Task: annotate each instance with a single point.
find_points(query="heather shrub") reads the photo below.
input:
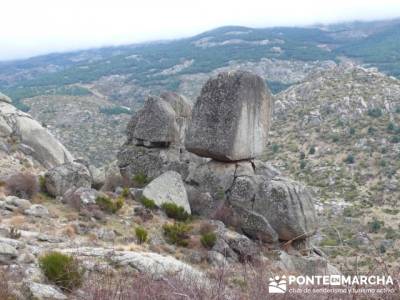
(208, 239)
(140, 179)
(109, 205)
(177, 233)
(62, 270)
(148, 203)
(175, 211)
(141, 235)
(22, 185)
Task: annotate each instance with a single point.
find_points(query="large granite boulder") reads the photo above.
(231, 118)
(168, 188)
(155, 138)
(155, 123)
(69, 176)
(19, 132)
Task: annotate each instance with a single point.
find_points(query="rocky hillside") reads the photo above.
(186, 211)
(90, 126)
(339, 132)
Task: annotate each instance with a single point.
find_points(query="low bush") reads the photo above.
(141, 235)
(375, 112)
(375, 225)
(175, 211)
(148, 203)
(22, 185)
(208, 239)
(177, 233)
(312, 150)
(62, 270)
(140, 179)
(349, 159)
(42, 184)
(109, 205)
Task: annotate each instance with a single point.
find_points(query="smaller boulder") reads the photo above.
(60, 179)
(168, 188)
(37, 210)
(41, 291)
(7, 254)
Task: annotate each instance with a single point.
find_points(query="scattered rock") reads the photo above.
(66, 177)
(37, 210)
(15, 203)
(39, 291)
(7, 253)
(168, 188)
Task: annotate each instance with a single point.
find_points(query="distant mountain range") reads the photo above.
(125, 74)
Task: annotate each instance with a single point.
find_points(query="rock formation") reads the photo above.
(20, 133)
(231, 118)
(155, 137)
(230, 122)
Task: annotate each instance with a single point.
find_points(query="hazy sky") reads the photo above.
(31, 27)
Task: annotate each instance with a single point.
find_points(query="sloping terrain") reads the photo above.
(339, 132)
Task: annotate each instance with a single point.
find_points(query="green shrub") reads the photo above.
(177, 233)
(391, 127)
(175, 211)
(62, 270)
(371, 130)
(328, 242)
(109, 205)
(125, 192)
(375, 112)
(208, 239)
(391, 211)
(312, 150)
(117, 110)
(375, 225)
(42, 183)
(395, 139)
(140, 179)
(275, 148)
(302, 155)
(141, 235)
(148, 203)
(349, 159)
(352, 131)
(303, 164)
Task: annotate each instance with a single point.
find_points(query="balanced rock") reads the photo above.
(168, 188)
(231, 118)
(155, 123)
(69, 176)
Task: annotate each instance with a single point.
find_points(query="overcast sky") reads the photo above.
(32, 27)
